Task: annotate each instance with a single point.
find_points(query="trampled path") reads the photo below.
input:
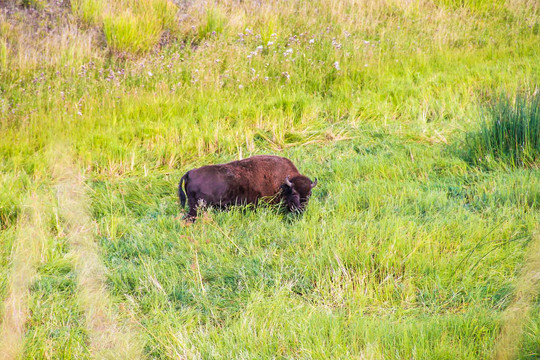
(517, 313)
(110, 337)
(27, 249)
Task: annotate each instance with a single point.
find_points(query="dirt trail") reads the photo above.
(27, 249)
(517, 313)
(110, 337)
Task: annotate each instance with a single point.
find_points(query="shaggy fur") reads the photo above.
(245, 182)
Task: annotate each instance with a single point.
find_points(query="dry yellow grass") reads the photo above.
(516, 315)
(26, 255)
(31, 39)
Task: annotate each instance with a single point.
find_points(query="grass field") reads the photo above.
(409, 249)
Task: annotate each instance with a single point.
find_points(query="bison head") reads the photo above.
(296, 192)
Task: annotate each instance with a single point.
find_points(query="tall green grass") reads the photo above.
(510, 132)
(89, 11)
(126, 31)
(213, 24)
(133, 26)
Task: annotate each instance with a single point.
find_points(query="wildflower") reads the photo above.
(365, 65)
(79, 113)
(240, 86)
(336, 66)
(259, 48)
(150, 73)
(270, 43)
(266, 78)
(288, 52)
(366, 42)
(312, 41)
(286, 75)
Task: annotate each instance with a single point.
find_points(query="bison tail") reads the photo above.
(181, 188)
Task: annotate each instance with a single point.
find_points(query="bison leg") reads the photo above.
(192, 214)
(194, 207)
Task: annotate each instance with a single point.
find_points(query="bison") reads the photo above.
(244, 182)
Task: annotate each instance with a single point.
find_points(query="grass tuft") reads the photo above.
(89, 11)
(510, 132)
(213, 23)
(136, 27)
(129, 32)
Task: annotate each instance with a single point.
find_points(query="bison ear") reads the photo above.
(288, 182)
(314, 183)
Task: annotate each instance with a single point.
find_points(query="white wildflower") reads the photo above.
(336, 66)
(312, 41)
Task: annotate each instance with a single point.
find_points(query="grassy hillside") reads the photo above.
(408, 248)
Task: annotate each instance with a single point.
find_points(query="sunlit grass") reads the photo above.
(90, 11)
(136, 26)
(406, 250)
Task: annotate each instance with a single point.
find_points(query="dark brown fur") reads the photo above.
(245, 182)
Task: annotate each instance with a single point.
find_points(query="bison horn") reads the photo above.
(288, 182)
(314, 183)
